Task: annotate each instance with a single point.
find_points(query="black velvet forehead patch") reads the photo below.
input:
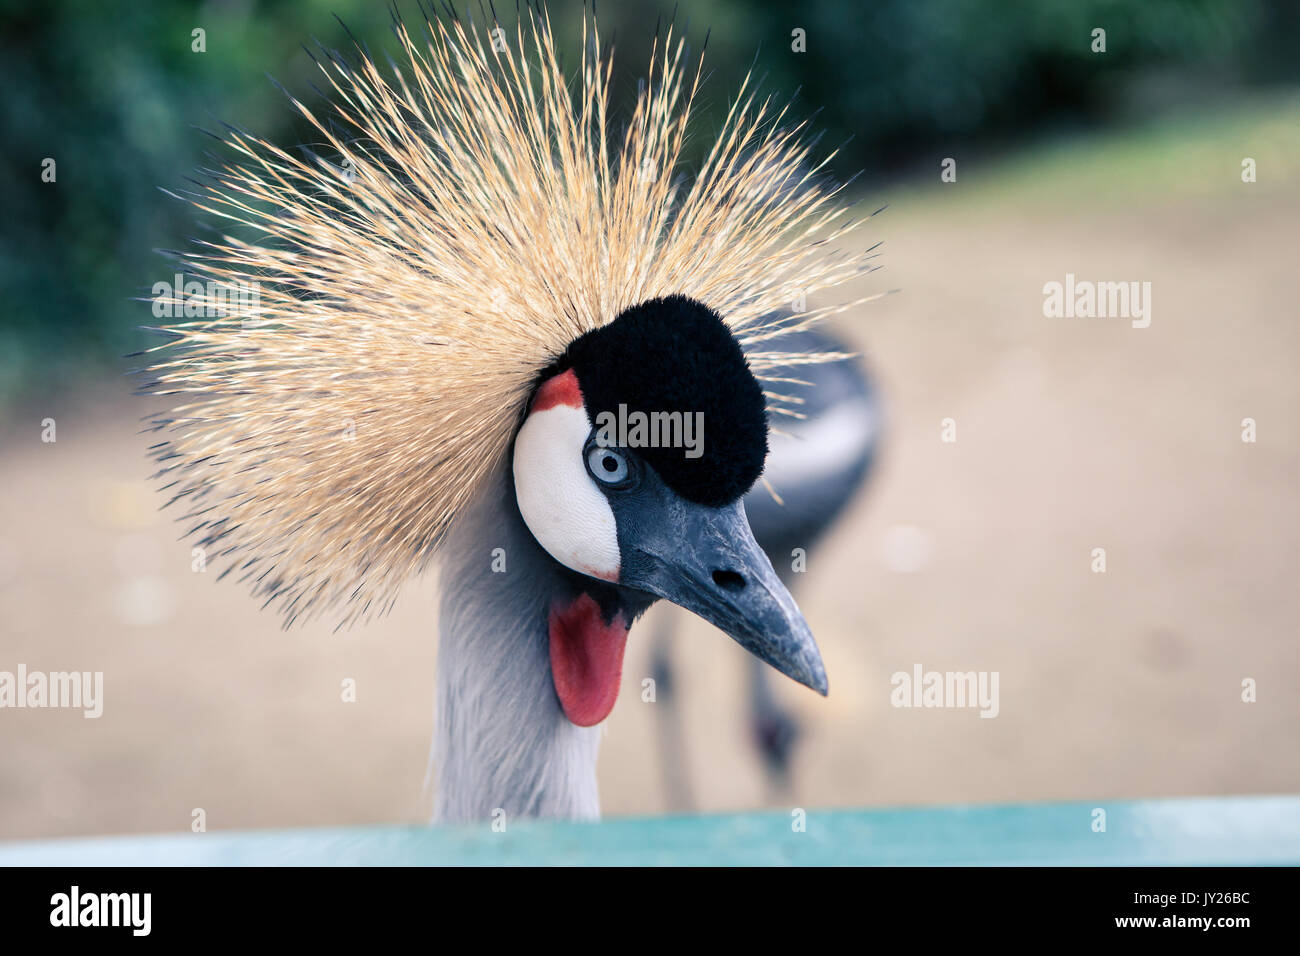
(677, 355)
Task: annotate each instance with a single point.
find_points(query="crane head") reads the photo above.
(629, 468)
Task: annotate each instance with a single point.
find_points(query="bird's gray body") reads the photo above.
(816, 468)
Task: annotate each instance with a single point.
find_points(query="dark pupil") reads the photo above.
(610, 463)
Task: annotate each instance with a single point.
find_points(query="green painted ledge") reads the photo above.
(1206, 831)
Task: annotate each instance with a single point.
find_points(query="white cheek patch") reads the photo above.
(560, 503)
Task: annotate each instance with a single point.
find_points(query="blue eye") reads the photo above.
(607, 465)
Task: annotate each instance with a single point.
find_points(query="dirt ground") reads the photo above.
(1072, 434)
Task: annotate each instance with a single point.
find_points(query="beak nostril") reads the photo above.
(728, 580)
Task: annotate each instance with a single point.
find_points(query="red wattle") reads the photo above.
(586, 659)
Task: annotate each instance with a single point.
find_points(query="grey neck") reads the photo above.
(501, 741)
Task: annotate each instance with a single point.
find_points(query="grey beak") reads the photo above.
(707, 561)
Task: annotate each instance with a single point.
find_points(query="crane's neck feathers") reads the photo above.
(513, 732)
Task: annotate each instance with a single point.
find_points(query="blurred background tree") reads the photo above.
(112, 93)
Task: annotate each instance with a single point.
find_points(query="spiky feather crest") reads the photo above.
(477, 220)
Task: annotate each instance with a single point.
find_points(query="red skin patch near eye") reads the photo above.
(586, 659)
(560, 389)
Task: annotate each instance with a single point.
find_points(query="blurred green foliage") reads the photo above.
(111, 92)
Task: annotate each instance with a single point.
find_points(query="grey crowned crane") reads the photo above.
(451, 292)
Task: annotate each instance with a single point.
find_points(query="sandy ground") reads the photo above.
(1072, 434)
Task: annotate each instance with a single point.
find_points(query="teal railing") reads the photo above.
(1202, 831)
